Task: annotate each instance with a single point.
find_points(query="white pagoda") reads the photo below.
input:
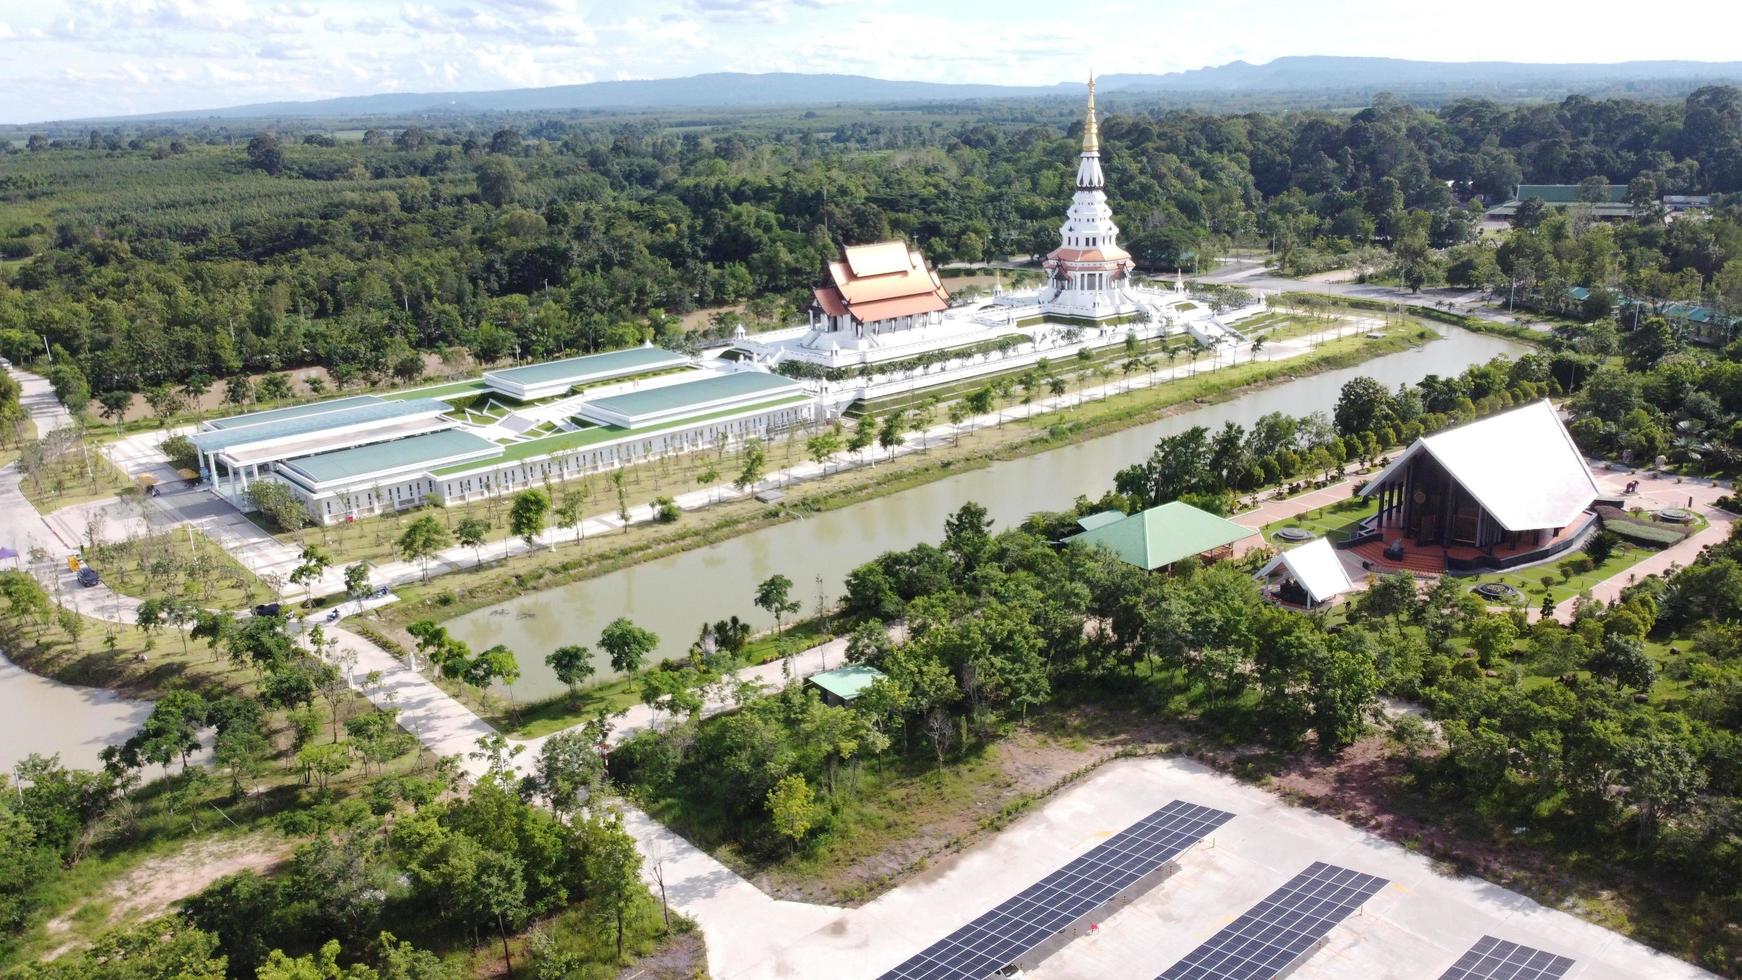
(1087, 274)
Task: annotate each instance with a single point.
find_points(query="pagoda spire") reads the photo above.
(1091, 129)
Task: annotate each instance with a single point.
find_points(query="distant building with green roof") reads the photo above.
(1158, 537)
(843, 686)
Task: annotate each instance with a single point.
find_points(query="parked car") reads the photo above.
(88, 576)
(266, 609)
(380, 593)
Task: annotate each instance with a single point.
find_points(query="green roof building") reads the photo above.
(842, 686)
(1158, 537)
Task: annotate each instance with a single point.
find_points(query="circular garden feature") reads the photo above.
(1293, 534)
(1676, 515)
(1497, 592)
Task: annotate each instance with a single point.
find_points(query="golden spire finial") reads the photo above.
(1091, 129)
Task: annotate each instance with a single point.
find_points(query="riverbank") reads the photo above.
(468, 590)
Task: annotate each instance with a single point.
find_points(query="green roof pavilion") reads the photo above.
(1158, 537)
(843, 685)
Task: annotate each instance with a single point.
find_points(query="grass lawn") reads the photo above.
(80, 475)
(24, 430)
(182, 563)
(1565, 581)
(1335, 521)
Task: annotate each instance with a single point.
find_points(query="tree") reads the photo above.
(822, 446)
(498, 180)
(265, 154)
(1364, 405)
(1662, 775)
(238, 390)
(755, 461)
(793, 808)
(889, 435)
(612, 872)
(526, 516)
(422, 540)
(967, 536)
(113, 406)
(311, 564)
(1601, 546)
(571, 512)
(864, 434)
(472, 532)
(572, 665)
(774, 597)
(357, 580)
(1622, 659)
(627, 645)
(1492, 636)
(172, 731)
(570, 767)
(278, 504)
(495, 664)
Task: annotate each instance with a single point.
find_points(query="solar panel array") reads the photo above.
(1276, 933)
(1037, 913)
(1497, 959)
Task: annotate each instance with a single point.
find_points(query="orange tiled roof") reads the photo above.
(1108, 254)
(881, 281)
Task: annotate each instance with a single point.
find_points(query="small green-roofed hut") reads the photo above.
(1158, 537)
(843, 685)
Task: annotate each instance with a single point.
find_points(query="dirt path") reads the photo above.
(152, 887)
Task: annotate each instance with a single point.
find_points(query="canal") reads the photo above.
(674, 596)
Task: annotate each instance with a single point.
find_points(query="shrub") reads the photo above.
(1649, 535)
(181, 452)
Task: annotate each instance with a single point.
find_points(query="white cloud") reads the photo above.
(741, 11)
(520, 66)
(197, 53)
(283, 51)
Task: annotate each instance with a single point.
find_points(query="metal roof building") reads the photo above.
(536, 381)
(1521, 468)
(1158, 537)
(844, 684)
(655, 405)
(333, 471)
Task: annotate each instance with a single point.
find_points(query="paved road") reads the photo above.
(1250, 274)
(1656, 493)
(740, 921)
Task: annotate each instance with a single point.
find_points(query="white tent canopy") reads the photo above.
(1315, 567)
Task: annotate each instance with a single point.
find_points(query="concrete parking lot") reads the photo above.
(1415, 928)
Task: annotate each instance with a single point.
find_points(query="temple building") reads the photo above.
(875, 290)
(1503, 491)
(1088, 274)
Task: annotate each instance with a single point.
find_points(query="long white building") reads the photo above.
(516, 428)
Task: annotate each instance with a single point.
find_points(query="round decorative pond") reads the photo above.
(1294, 534)
(1676, 515)
(1497, 592)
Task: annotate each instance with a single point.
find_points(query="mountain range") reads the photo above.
(1304, 75)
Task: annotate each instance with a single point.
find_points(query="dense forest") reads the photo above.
(164, 261)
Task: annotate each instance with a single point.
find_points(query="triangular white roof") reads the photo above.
(1521, 466)
(1316, 567)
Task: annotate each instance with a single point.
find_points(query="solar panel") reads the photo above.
(1041, 911)
(1270, 938)
(1497, 959)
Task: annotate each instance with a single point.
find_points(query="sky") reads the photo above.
(65, 59)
